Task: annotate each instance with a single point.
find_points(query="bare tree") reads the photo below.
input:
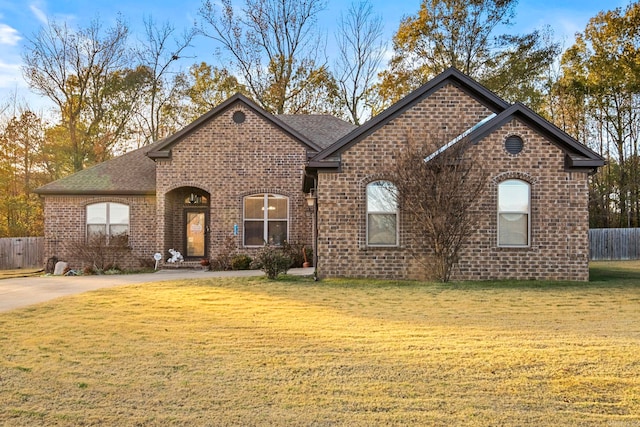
(360, 54)
(77, 70)
(275, 46)
(437, 186)
(159, 52)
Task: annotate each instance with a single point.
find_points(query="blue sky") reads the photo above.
(20, 19)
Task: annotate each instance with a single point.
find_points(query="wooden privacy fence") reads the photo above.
(614, 243)
(21, 252)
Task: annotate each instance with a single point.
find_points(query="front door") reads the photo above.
(195, 233)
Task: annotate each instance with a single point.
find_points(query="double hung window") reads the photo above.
(514, 213)
(266, 219)
(382, 214)
(109, 221)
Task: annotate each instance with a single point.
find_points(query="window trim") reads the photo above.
(527, 212)
(107, 224)
(265, 219)
(396, 212)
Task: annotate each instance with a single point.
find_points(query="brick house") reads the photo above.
(239, 173)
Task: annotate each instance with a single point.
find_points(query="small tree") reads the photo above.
(436, 190)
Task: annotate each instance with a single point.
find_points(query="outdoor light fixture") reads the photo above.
(311, 199)
(195, 199)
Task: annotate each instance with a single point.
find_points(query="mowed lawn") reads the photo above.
(339, 352)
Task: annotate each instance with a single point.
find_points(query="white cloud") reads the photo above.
(10, 75)
(37, 11)
(8, 35)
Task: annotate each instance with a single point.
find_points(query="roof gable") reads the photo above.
(577, 155)
(449, 76)
(164, 148)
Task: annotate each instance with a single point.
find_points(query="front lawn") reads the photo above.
(341, 352)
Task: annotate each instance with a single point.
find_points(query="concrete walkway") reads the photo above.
(24, 291)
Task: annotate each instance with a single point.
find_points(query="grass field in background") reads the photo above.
(336, 352)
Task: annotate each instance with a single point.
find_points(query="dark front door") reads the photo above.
(196, 233)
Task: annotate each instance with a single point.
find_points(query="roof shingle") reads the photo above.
(322, 129)
(130, 173)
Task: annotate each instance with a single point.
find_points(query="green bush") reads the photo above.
(272, 261)
(241, 262)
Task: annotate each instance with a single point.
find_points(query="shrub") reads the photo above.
(241, 262)
(295, 252)
(223, 260)
(272, 261)
(98, 253)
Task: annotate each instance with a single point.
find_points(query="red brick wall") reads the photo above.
(559, 215)
(229, 161)
(65, 224)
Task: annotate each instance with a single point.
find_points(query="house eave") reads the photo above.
(334, 164)
(164, 154)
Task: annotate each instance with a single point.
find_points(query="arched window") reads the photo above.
(266, 219)
(109, 221)
(514, 213)
(382, 214)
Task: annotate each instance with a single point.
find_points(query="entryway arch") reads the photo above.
(187, 221)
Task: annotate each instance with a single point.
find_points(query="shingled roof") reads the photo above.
(322, 129)
(132, 173)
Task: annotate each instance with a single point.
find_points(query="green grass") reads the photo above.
(337, 352)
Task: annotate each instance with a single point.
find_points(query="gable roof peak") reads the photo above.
(164, 148)
(450, 75)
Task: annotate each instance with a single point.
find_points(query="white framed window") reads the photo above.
(382, 214)
(266, 219)
(109, 221)
(514, 213)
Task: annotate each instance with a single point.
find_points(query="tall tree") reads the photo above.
(159, 52)
(601, 75)
(76, 70)
(464, 34)
(23, 166)
(360, 53)
(275, 46)
(206, 87)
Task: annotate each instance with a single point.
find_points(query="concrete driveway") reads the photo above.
(24, 291)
